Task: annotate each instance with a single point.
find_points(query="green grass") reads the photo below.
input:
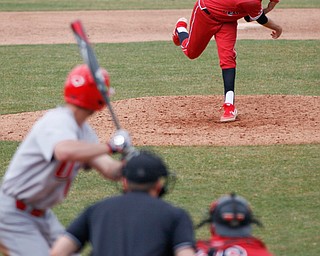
(34, 75)
(58, 5)
(284, 193)
(281, 183)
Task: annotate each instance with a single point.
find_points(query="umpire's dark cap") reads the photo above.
(144, 167)
(232, 217)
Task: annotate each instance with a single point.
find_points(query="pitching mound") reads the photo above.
(183, 120)
(194, 120)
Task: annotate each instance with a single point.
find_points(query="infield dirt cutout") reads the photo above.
(174, 120)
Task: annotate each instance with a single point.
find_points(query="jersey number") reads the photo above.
(64, 171)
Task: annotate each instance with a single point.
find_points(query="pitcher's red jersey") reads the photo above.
(232, 10)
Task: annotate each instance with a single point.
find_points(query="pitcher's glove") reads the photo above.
(120, 141)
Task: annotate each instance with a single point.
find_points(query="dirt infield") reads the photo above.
(135, 26)
(191, 120)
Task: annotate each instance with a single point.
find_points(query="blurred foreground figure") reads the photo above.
(41, 172)
(136, 223)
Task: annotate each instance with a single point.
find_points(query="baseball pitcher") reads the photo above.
(218, 19)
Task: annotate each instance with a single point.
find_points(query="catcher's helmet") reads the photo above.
(80, 88)
(232, 216)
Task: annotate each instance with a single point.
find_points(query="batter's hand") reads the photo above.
(120, 141)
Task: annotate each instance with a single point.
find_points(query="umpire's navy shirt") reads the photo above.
(133, 224)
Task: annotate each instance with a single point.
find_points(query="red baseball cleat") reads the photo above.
(230, 113)
(182, 22)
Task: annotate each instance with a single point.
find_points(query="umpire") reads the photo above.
(136, 223)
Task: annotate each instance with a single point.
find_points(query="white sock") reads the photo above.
(229, 97)
(182, 29)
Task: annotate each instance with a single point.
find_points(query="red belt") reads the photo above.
(34, 212)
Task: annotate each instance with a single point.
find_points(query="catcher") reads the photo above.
(231, 220)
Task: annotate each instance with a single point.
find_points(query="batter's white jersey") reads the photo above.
(33, 175)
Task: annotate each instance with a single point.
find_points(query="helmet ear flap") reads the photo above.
(168, 184)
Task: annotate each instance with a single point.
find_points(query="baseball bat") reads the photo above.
(90, 59)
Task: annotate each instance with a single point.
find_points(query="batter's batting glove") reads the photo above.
(120, 141)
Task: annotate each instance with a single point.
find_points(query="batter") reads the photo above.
(47, 161)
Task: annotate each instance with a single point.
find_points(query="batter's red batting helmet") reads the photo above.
(80, 88)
